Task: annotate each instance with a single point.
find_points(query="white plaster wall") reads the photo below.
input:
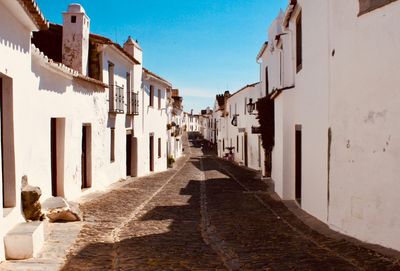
(54, 95)
(121, 122)
(364, 110)
(255, 150)
(305, 105)
(154, 121)
(15, 63)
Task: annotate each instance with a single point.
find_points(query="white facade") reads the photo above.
(176, 124)
(16, 78)
(193, 123)
(335, 114)
(206, 122)
(67, 132)
(154, 121)
(235, 129)
(363, 113)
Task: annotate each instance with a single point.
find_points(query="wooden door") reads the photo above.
(298, 165)
(129, 153)
(246, 155)
(57, 142)
(151, 145)
(86, 156)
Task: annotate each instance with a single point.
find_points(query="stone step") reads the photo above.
(24, 241)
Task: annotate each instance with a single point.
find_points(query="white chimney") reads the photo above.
(75, 40)
(132, 47)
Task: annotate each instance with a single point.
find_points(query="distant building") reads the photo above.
(238, 129)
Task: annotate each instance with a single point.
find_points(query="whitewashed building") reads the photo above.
(221, 119)
(239, 128)
(153, 133)
(331, 67)
(78, 110)
(100, 60)
(17, 21)
(193, 123)
(206, 124)
(176, 124)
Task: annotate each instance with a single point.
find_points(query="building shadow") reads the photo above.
(164, 238)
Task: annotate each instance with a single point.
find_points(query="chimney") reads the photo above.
(132, 47)
(191, 112)
(75, 40)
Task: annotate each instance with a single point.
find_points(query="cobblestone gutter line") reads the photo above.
(304, 236)
(134, 215)
(209, 232)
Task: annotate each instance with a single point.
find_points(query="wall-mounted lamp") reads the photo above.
(251, 107)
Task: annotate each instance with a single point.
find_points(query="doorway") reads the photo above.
(129, 153)
(246, 155)
(151, 145)
(57, 141)
(9, 196)
(86, 156)
(298, 161)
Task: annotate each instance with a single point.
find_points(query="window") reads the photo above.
(111, 85)
(132, 98)
(73, 19)
(369, 5)
(151, 95)
(237, 144)
(159, 147)
(266, 81)
(116, 93)
(112, 145)
(299, 41)
(128, 93)
(159, 98)
(245, 105)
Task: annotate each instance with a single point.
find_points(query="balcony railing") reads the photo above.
(116, 99)
(133, 103)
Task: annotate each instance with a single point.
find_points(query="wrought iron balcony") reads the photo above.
(116, 99)
(133, 103)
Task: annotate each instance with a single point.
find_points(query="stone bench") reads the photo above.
(24, 240)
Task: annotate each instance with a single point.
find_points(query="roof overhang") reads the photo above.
(262, 50)
(289, 11)
(152, 76)
(28, 12)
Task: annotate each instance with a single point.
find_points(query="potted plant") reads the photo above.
(170, 161)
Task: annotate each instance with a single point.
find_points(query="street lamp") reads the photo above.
(251, 107)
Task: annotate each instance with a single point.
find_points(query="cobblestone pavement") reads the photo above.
(206, 214)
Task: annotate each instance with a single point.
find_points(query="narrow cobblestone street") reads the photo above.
(206, 214)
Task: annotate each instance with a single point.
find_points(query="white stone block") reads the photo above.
(24, 241)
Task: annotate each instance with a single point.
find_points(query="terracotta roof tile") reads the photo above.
(32, 9)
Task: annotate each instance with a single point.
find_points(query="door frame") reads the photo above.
(57, 152)
(86, 156)
(129, 152)
(298, 164)
(151, 151)
(246, 149)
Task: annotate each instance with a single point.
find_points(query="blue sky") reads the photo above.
(203, 47)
